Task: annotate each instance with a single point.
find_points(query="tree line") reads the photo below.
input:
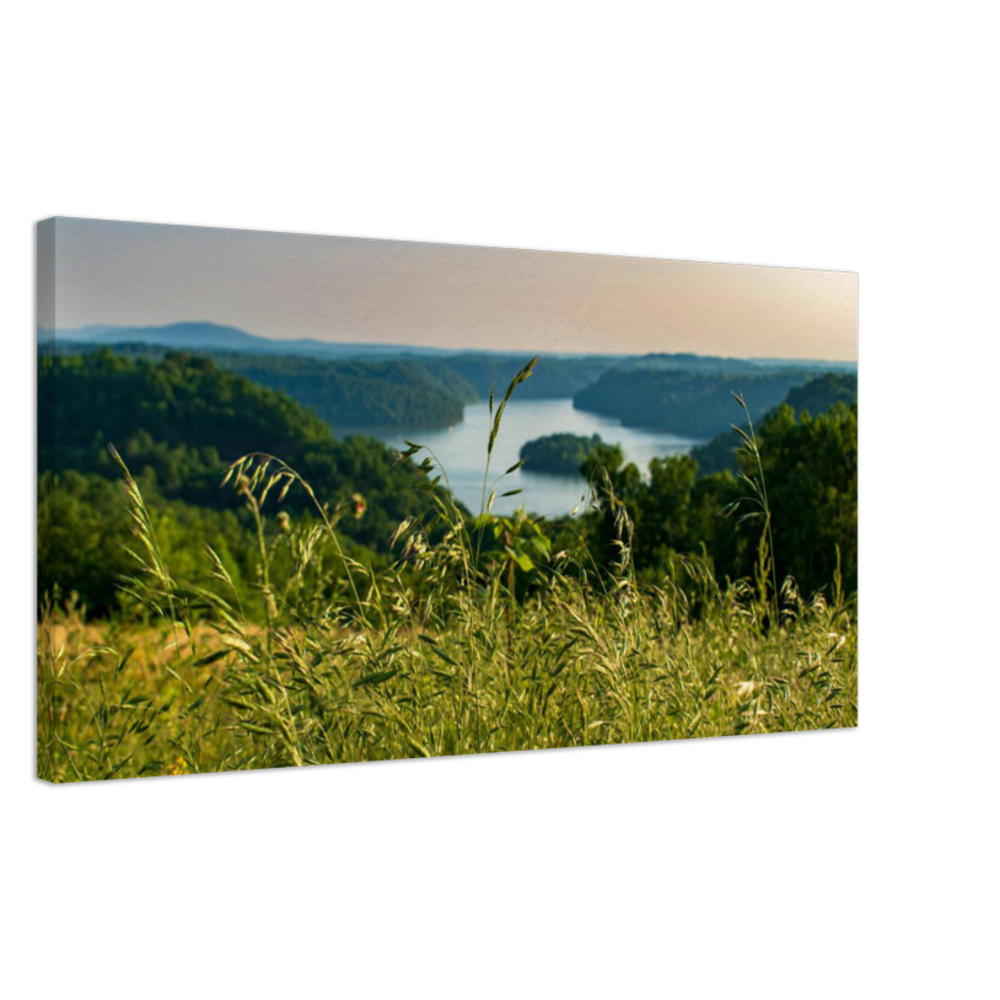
(179, 421)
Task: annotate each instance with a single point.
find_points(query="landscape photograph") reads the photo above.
(314, 499)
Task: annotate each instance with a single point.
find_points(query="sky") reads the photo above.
(333, 288)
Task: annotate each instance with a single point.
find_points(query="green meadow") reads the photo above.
(224, 584)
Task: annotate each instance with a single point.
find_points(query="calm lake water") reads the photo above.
(462, 452)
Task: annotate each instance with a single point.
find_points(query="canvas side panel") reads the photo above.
(44, 443)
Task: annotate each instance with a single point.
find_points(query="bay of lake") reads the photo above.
(461, 451)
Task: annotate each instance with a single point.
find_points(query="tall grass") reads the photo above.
(755, 504)
(444, 653)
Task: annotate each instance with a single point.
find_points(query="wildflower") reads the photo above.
(358, 506)
(179, 766)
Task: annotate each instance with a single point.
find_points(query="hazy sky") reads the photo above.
(340, 289)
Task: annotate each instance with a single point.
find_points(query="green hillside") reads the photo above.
(345, 393)
(688, 405)
(179, 423)
(814, 398)
(554, 378)
(415, 394)
(558, 454)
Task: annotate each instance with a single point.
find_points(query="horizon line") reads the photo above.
(54, 332)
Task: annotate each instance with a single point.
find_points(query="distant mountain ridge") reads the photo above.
(209, 336)
(206, 336)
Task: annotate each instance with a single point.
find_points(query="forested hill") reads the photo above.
(682, 403)
(553, 378)
(180, 421)
(815, 398)
(417, 394)
(370, 386)
(821, 393)
(370, 391)
(559, 454)
(559, 376)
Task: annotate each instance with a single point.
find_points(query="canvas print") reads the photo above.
(316, 500)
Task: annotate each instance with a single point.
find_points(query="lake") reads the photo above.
(461, 450)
